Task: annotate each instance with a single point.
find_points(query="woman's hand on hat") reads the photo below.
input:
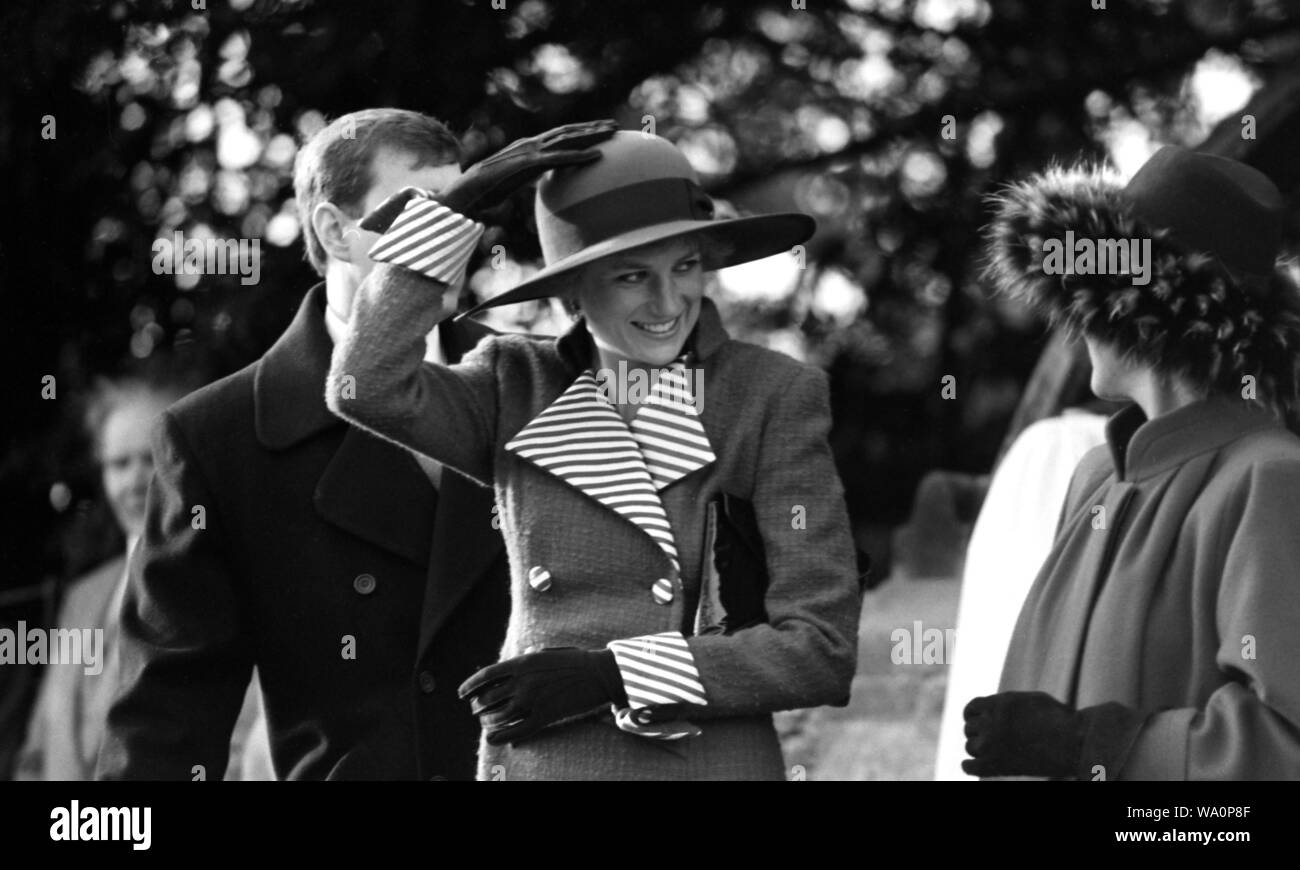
(490, 182)
(379, 220)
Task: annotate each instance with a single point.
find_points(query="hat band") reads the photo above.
(622, 210)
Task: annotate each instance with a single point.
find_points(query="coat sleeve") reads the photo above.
(806, 653)
(185, 658)
(379, 381)
(1250, 726)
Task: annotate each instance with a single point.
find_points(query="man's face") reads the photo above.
(392, 171)
(126, 462)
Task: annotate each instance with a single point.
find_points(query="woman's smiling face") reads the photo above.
(642, 304)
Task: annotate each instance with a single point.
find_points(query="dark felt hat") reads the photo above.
(642, 190)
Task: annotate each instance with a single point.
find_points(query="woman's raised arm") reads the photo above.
(379, 381)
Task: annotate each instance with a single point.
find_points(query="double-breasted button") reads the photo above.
(663, 591)
(427, 682)
(364, 584)
(539, 578)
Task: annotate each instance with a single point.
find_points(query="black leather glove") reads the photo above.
(490, 182)
(1033, 734)
(517, 698)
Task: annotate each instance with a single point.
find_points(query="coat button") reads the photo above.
(427, 682)
(539, 578)
(364, 584)
(663, 591)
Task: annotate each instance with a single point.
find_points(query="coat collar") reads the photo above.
(577, 351)
(289, 384)
(582, 440)
(369, 487)
(1141, 448)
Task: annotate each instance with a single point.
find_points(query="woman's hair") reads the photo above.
(714, 253)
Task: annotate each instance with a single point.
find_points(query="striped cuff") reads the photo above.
(657, 669)
(429, 238)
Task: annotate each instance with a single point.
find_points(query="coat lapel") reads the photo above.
(369, 488)
(582, 439)
(377, 492)
(465, 545)
(584, 442)
(667, 428)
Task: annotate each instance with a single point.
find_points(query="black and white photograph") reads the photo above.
(649, 390)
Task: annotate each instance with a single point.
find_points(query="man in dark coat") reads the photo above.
(363, 582)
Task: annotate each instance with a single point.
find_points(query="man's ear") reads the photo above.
(334, 229)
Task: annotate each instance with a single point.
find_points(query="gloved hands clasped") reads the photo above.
(1033, 734)
(519, 697)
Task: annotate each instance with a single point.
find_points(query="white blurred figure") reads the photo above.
(1011, 538)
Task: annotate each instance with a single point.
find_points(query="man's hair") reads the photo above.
(335, 164)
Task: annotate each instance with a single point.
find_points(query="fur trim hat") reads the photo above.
(1205, 303)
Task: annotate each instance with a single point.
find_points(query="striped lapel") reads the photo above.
(667, 428)
(581, 439)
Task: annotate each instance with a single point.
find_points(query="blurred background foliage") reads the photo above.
(889, 120)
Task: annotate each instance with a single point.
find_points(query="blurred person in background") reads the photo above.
(67, 721)
(1011, 538)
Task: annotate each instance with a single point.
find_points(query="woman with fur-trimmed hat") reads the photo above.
(619, 662)
(1160, 639)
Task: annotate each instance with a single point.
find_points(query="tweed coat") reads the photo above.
(1172, 589)
(324, 557)
(766, 417)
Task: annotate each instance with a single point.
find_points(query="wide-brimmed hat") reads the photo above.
(1215, 306)
(642, 190)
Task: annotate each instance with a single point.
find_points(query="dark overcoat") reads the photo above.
(280, 537)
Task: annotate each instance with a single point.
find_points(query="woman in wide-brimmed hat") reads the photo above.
(1159, 640)
(620, 453)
